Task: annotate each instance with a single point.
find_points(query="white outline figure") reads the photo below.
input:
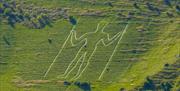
(88, 57)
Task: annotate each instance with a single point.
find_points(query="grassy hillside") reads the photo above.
(38, 51)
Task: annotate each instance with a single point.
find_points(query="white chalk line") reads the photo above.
(110, 59)
(46, 73)
(72, 61)
(79, 74)
(104, 44)
(70, 35)
(79, 67)
(78, 51)
(58, 54)
(83, 56)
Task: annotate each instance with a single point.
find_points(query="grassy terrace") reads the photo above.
(143, 49)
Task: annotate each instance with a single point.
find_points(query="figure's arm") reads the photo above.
(107, 40)
(75, 40)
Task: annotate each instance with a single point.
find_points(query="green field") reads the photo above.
(43, 59)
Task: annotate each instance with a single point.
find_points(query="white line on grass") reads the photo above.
(83, 56)
(110, 59)
(78, 51)
(67, 72)
(58, 53)
(80, 67)
(104, 44)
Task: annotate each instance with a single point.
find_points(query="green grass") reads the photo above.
(30, 54)
(153, 61)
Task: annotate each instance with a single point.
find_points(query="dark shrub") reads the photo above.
(122, 89)
(84, 86)
(166, 86)
(50, 41)
(11, 21)
(1, 10)
(178, 8)
(167, 2)
(166, 65)
(150, 6)
(77, 83)
(6, 5)
(41, 21)
(46, 19)
(21, 17)
(109, 4)
(136, 5)
(72, 20)
(66, 83)
(148, 85)
(157, 11)
(170, 14)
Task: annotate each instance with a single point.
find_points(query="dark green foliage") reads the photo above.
(177, 8)
(43, 20)
(166, 86)
(26, 16)
(109, 4)
(157, 10)
(84, 86)
(21, 17)
(136, 5)
(46, 20)
(9, 13)
(165, 80)
(166, 65)
(6, 5)
(167, 2)
(15, 14)
(77, 83)
(50, 41)
(148, 85)
(11, 21)
(72, 20)
(122, 89)
(150, 6)
(1, 10)
(66, 83)
(169, 14)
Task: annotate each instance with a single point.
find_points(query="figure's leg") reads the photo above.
(82, 56)
(85, 64)
(70, 66)
(79, 69)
